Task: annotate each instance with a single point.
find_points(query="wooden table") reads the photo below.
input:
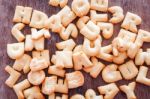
(7, 7)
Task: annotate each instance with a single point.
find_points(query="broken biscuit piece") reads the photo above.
(62, 3)
(56, 71)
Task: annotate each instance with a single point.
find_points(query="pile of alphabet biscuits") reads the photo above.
(93, 23)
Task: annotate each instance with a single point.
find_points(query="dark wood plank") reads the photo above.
(7, 7)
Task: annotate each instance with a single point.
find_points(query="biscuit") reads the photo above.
(90, 94)
(126, 69)
(22, 14)
(64, 59)
(97, 67)
(110, 74)
(14, 76)
(99, 5)
(38, 19)
(74, 79)
(19, 87)
(15, 50)
(56, 71)
(37, 77)
(95, 17)
(80, 7)
(129, 90)
(70, 30)
(22, 63)
(131, 21)
(80, 59)
(48, 86)
(90, 31)
(105, 53)
(16, 31)
(82, 22)
(107, 29)
(61, 86)
(66, 19)
(141, 78)
(110, 90)
(77, 96)
(62, 3)
(33, 93)
(117, 14)
(66, 45)
(94, 50)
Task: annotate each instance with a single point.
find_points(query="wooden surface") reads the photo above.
(7, 7)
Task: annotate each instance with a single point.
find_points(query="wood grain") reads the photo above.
(7, 7)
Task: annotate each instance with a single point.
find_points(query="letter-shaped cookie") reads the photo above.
(19, 87)
(131, 21)
(128, 70)
(74, 79)
(66, 45)
(16, 31)
(90, 94)
(80, 7)
(80, 59)
(14, 76)
(70, 30)
(90, 31)
(94, 50)
(117, 12)
(36, 77)
(98, 17)
(22, 63)
(22, 14)
(15, 50)
(107, 29)
(38, 19)
(33, 93)
(96, 68)
(110, 90)
(64, 59)
(48, 86)
(110, 74)
(56, 71)
(99, 5)
(129, 90)
(141, 78)
(61, 86)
